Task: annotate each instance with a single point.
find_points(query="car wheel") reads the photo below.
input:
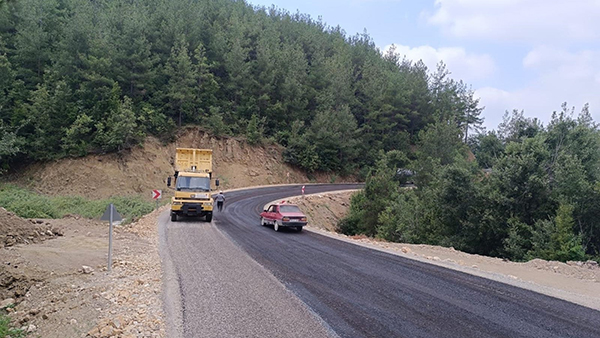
(275, 226)
(298, 229)
(262, 221)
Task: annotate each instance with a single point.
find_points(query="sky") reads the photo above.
(530, 55)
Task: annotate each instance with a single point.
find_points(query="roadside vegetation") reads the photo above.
(539, 196)
(6, 330)
(28, 204)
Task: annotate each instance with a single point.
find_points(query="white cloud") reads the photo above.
(560, 76)
(521, 20)
(463, 65)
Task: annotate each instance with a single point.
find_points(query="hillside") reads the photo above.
(83, 77)
(144, 168)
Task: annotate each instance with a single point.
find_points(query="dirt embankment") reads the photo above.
(61, 287)
(142, 169)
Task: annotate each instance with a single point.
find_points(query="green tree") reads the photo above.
(180, 92)
(554, 239)
(121, 130)
(254, 131)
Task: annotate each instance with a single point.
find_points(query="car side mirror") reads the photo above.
(264, 210)
(217, 182)
(169, 181)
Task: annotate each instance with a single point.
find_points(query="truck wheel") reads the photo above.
(209, 217)
(275, 226)
(173, 217)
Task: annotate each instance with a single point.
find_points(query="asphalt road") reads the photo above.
(359, 292)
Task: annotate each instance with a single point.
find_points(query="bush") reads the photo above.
(7, 331)
(28, 204)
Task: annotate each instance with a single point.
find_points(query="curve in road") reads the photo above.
(360, 292)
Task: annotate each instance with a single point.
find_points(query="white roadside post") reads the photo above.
(111, 215)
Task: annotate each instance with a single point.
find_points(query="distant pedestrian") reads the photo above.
(220, 199)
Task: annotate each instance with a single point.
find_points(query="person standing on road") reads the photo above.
(220, 199)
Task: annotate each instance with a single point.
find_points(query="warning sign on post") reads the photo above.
(156, 194)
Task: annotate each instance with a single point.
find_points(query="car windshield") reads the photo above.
(193, 183)
(289, 208)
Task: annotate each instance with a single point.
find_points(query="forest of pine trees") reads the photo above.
(81, 76)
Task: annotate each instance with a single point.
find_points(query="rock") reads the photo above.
(405, 249)
(44, 316)
(107, 331)
(591, 264)
(39, 221)
(34, 312)
(117, 323)
(95, 332)
(87, 269)
(436, 258)
(7, 302)
(73, 321)
(31, 328)
(25, 319)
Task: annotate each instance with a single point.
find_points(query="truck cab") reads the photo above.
(193, 181)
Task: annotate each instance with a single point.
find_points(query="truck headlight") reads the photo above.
(208, 204)
(177, 203)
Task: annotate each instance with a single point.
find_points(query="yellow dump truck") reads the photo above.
(193, 176)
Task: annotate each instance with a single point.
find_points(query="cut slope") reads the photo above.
(142, 169)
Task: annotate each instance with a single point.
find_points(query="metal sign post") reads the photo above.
(111, 215)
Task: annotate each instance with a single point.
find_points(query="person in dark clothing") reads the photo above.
(220, 199)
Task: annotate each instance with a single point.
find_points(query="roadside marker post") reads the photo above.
(303, 189)
(156, 195)
(111, 215)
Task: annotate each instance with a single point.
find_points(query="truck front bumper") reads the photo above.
(192, 209)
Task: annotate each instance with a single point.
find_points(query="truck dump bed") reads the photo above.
(190, 159)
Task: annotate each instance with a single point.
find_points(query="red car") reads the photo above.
(283, 215)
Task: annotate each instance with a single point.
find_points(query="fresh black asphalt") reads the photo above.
(360, 292)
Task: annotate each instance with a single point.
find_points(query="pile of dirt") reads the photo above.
(61, 288)
(144, 168)
(16, 230)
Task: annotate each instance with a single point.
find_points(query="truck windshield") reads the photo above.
(193, 183)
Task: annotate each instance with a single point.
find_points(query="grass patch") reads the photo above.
(28, 204)
(7, 331)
